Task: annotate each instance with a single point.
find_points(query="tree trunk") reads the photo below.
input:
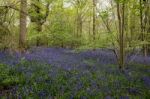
(23, 23)
(80, 25)
(146, 25)
(142, 27)
(40, 20)
(94, 19)
(121, 34)
(77, 25)
(39, 30)
(144, 20)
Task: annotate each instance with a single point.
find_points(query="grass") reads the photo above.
(31, 80)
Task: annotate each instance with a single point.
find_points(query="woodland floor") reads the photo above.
(57, 73)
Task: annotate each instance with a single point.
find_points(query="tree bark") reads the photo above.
(146, 21)
(120, 12)
(23, 23)
(94, 20)
(142, 27)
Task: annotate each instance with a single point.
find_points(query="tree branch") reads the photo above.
(15, 8)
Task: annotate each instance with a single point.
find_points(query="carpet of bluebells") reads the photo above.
(58, 73)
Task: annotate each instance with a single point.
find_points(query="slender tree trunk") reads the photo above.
(120, 12)
(146, 25)
(142, 27)
(94, 20)
(123, 37)
(144, 19)
(23, 23)
(80, 25)
(39, 30)
(77, 25)
(89, 28)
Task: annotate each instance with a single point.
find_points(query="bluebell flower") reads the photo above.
(146, 81)
(134, 91)
(124, 97)
(108, 97)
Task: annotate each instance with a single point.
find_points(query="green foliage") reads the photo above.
(7, 33)
(37, 11)
(4, 30)
(57, 23)
(121, 1)
(9, 77)
(104, 14)
(63, 84)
